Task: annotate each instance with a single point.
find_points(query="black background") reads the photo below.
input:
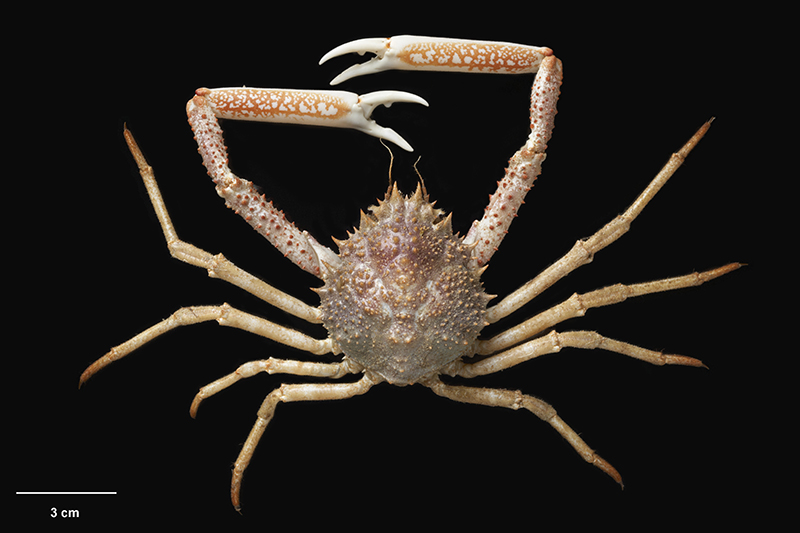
(692, 445)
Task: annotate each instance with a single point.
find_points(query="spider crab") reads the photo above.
(403, 300)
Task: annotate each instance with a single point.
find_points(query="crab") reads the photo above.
(402, 300)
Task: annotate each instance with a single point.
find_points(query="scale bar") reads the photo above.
(62, 493)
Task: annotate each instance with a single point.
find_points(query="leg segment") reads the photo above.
(578, 304)
(583, 251)
(516, 400)
(225, 315)
(241, 195)
(216, 265)
(275, 366)
(523, 167)
(289, 393)
(553, 342)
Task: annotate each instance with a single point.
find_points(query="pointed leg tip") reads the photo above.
(235, 501)
(682, 360)
(89, 372)
(606, 467)
(721, 271)
(194, 407)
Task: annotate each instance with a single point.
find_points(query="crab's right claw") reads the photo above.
(412, 52)
(377, 46)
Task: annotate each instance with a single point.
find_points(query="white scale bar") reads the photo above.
(64, 493)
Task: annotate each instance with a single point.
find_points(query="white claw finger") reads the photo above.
(372, 100)
(375, 45)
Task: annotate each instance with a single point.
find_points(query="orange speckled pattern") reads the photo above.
(273, 104)
(473, 56)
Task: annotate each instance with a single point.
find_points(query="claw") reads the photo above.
(368, 102)
(378, 46)
(338, 109)
(411, 52)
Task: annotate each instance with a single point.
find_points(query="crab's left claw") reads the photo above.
(336, 109)
(414, 52)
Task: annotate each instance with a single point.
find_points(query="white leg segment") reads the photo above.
(289, 393)
(275, 366)
(554, 341)
(216, 265)
(578, 304)
(516, 400)
(583, 251)
(225, 315)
